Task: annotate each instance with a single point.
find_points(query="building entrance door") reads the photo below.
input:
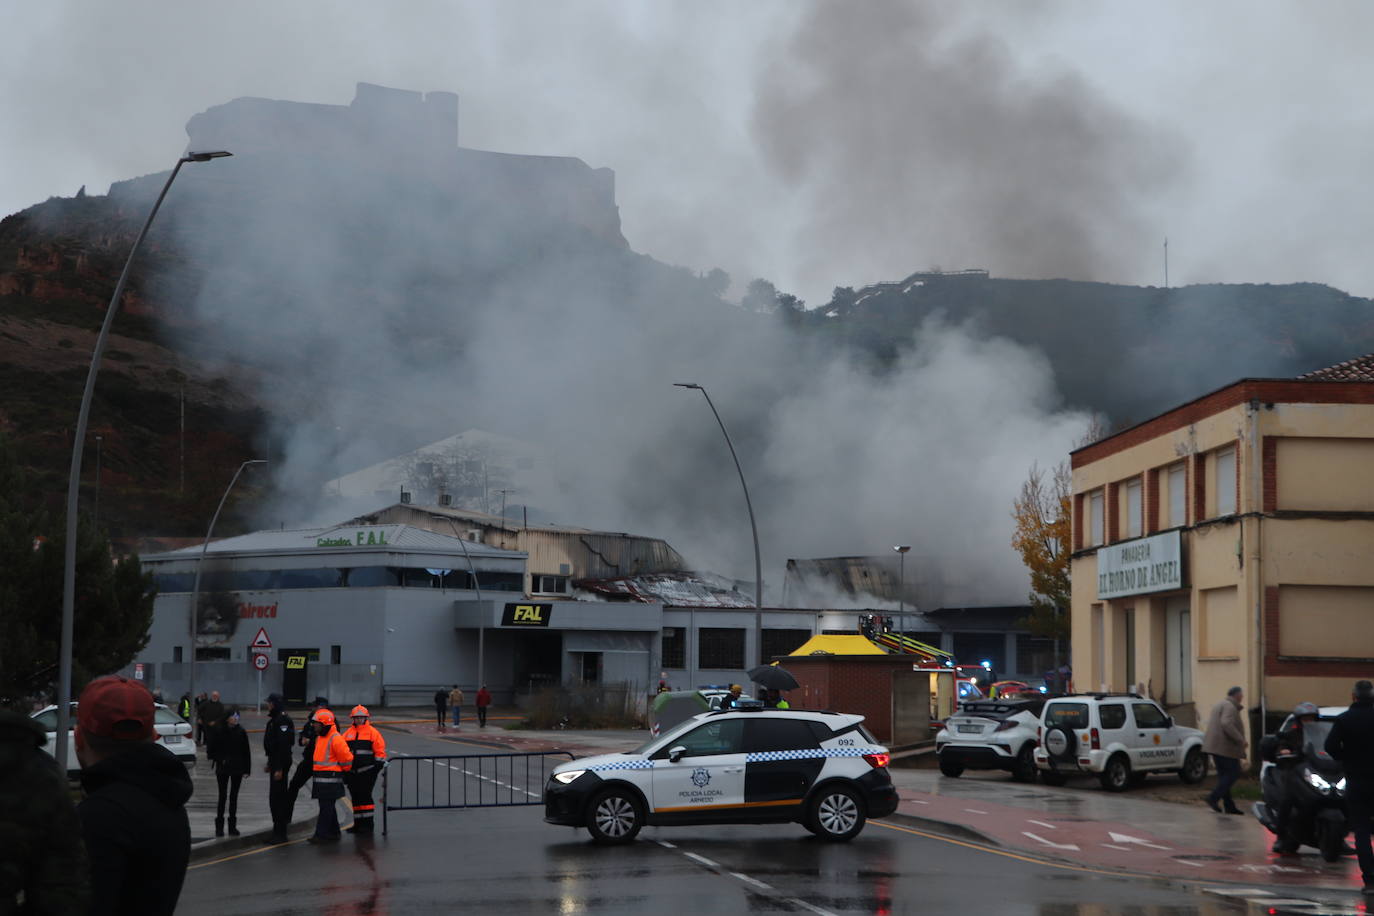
(1178, 648)
(295, 675)
(591, 667)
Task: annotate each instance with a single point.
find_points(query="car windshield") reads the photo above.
(1314, 735)
(666, 736)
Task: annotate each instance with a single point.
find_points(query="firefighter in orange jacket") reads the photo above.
(332, 760)
(369, 754)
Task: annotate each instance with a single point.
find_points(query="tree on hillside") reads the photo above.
(717, 282)
(113, 602)
(760, 296)
(1043, 538)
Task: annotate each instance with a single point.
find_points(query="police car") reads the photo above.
(745, 765)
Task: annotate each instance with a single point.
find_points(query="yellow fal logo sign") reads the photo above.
(294, 662)
(527, 615)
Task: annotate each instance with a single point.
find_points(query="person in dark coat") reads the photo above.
(232, 759)
(134, 814)
(441, 706)
(278, 740)
(42, 856)
(211, 713)
(1351, 741)
(306, 768)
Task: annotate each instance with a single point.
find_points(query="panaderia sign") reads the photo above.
(1152, 564)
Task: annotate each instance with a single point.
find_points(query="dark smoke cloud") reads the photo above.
(915, 138)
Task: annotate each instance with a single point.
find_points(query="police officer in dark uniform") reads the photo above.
(306, 768)
(1351, 741)
(278, 740)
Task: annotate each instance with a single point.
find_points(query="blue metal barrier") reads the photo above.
(466, 781)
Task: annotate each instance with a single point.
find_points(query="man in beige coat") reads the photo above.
(1225, 741)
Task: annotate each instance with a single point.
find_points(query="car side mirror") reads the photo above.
(1168, 721)
(676, 754)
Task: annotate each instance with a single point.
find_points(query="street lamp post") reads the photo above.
(754, 528)
(98, 441)
(477, 586)
(64, 677)
(195, 586)
(901, 585)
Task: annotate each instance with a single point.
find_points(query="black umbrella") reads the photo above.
(773, 677)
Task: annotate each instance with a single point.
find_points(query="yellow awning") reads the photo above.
(838, 645)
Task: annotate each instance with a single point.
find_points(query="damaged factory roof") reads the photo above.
(676, 589)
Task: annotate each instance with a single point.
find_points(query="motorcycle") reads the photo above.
(1317, 817)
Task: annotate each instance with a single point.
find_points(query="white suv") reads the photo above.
(1120, 737)
(991, 735)
(744, 765)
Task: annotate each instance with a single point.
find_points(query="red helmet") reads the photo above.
(324, 717)
(360, 710)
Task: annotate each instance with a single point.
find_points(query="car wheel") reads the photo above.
(1051, 778)
(951, 769)
(1331, 843)
(1023, 770)
(1194, 767)
(1116, 775)
(614, 816)
(836, 814)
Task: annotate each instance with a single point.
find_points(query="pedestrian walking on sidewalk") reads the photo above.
(232, 759)
(278, 741)
(483, 701)
(306, 768)
(441, 706)
(1225, 741)
(369, 755)
(134, 819)
(331, 760)
(42, 858)
(455, 702)
(211, 713)
(1351, 741)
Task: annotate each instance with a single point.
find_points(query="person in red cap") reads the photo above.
(331, 760)
(369, 754)
(134, 814)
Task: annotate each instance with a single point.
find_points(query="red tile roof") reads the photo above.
(1359, 369)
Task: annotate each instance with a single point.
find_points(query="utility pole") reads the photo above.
(1166, 262)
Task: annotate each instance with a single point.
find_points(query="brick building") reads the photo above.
(1228, 541)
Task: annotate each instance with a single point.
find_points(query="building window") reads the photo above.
(176, 653)
(212, 654)
(1178, 496)
(674, 647)
(782, 642)
(548, 585)
(976, 648)
(1034, 655)
(720, 648)
(1096, 518)
(1133, 508)
(336, 655)
(1226, 481)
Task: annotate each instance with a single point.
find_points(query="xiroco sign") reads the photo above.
(1152, 564)
(527, 615)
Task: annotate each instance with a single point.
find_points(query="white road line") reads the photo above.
(1040, 839)
(915, 802)
(665, 844)
(754, 881)
(701, 859)
(797, 901)
(1043, 824)
(456, 769)
(974, 811)
(1121, 848)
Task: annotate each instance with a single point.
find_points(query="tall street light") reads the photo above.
(477, 586)
(64, 677)
(901, 585)
(758, 564)
(195, 586)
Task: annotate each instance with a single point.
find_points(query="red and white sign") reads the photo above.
(138, 671)
(260, 662)
(261, 641)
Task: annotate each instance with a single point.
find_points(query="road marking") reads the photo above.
(1034, 860)
(1121, 848)
(1040, 839)
(754, 881)
(1043, 824)
(1238, 891)
(251, 852)
(974, 811)
(1124, 838)
(797, 901)
(915, 802)
(1193, 864)
(449, 766)
(665, 844)
(701, 859)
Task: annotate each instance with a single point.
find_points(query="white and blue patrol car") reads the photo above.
(747, 765)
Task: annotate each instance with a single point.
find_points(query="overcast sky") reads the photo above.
(815, 144)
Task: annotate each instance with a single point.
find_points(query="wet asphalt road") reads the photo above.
(507, 860)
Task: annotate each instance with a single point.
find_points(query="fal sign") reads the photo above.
(1153, 564)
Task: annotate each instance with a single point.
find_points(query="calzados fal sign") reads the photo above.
(527, 615)
(1153, 564)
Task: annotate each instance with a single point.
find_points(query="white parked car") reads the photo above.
(173, 733)
(991, 735)
(1118, 737)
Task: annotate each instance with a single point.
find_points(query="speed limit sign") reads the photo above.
(260, 662)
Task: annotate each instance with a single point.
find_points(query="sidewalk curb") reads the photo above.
(213, 848)
(945, 828)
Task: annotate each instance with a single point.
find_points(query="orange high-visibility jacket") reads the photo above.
(332, 756)
(366, 743)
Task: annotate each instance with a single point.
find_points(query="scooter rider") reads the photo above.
(1289, 759)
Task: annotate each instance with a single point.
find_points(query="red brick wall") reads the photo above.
(1152, 501)
(859, 684)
